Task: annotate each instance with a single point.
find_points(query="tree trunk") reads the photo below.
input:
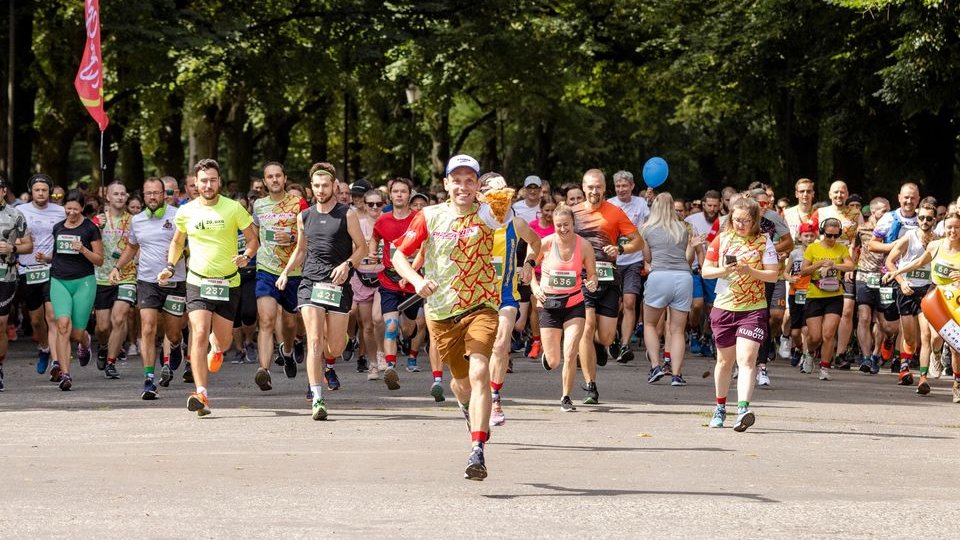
(439, 121)
(24, 96)
(276, 141)
(169, 157)
(546, 160)
(239, 139)
(316, 113)
(799, 142)
(936, 139)
(208, 130)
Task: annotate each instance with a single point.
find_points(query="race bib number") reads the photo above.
(922, 275)
(128, 293)
(38, 275)
(326, 294)
(65, 244)
(800, 298)
(886, 296)
(271, 235)
(497, 267)
(215, 289)
(560, 279)
(604, 271)
(175, 305)
(873, 280)
(942, 270)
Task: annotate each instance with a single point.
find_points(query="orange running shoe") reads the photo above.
(886, 350)
(923, 388)
(214, 361)
(905, 378)
(535, 350)
(198, 402)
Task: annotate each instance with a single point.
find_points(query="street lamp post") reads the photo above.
(413, 95)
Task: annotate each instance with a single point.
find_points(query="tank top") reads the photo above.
(560, 276)
(915, 249)
(942, 264)
(504, 261)
(328, 242)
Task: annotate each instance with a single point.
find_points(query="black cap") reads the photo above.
(855, 199)
(360, 187)
(421, 196)
(40, 177)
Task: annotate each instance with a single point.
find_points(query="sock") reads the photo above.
(743, 405)
(148, 372)
(43, 349)
(111, 360)
(202, 390)
(824, 364)
(924, 371)
(536, 339)
(666, 357)
(478, 437)
(437, 376)
(722, 402)
(763, 368)
(496, 386)
(905, 361)
(391, 360)
(317, 390)
(412, 354)
(464, 406)
(166, 360)
(329, 361)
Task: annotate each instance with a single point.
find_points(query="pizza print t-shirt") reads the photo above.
(742, 292)
(273, 217)
(114, 232)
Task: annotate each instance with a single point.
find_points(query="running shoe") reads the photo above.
(535, 350)
(905, 378)
(566, 404)
(593, 397)
(198, 403)
(806, 363)
(936, 367)
(309, 394)
(188, 374)
(796, 355)
(362, 365)
(719, 415)
(497, 417)
(706, 347)
(133, 350)
(176, 355)
(516, 342)
(785, 347)
(373, 374)
(391, 378)
(348, 351)
(924, 387)
(55, 372)
(745, 419)
(412, 365)
(626, 355)
(403, 344)
(166, 375)
(601, 354)
(214, 361)
(476, 468)
(544, 363)
(110, 372)
(381, 361)
(436, 390)
(842, 362)
(263, 380)
(237, 357)
(694, 344)
(299, 350)
(886, 350)
(763, 379)
(736, 372)
(956, 391)
(43, 360)
(333, 382)
(655, 375)
(667, 368)
(122, 356)
(66, 382)
(149, 390)
(824, 374)
(319, 409)
(101, 358)
(289, 363)
(678, 380)
(865, 364)
(251, 352)
(83, 353)
(874, 365)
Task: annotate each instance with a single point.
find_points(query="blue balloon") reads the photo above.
(655, 172)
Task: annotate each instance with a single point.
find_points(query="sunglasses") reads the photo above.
(926, 218)
(56, 196)
(375, 205)
(168, 192)
(829, 235)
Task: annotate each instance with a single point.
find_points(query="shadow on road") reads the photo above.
(560, 491)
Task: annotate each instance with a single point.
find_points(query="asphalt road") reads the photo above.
(854, 457)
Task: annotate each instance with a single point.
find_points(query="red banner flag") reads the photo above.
(89, 81)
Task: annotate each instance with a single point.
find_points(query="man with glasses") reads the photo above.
(803, 211)
(528, 209)
(171, 190)
(275, 217)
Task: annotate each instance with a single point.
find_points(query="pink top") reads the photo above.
(560, 276)
(542, 232)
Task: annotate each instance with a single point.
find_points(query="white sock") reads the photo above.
(317, 391)
(202, 390)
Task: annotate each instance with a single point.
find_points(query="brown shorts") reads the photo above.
(456, 341)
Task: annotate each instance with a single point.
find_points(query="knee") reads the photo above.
(64, 325)
(629, 302)
(391, 328)
(118, 320)
(479, 372)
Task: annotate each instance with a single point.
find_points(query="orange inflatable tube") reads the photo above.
(941, 307)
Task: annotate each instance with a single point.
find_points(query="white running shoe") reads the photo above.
(936, 367)
(133, 350)
(824, 375)
(785, 347)
(381, 361)
(373, 374)
(806, 363)
(762, 378)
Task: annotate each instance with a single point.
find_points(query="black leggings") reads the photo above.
(247, 308)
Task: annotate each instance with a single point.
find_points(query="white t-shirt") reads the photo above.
(154, 236)
(637, 211)
(40, 223)
(700, 227)
(526, 213)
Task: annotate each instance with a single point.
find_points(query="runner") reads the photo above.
(506, 246)
(462, 297)
(34, 268)
(913, 287)
(795, 216)
(329, 247)
(393, 289)
(364, 283)
(210, 222)
(245, 319)
(630, 264)
(742, 259)
(706, 225)
(564, 257)
(824, 261)
(670, 252)
(77, 250)
(275, 216)
(14, 238)
(114, 300)
(797, 297)
(602, 224)
(151, 233)
(543, 226)
(870, 298)
(528, 208)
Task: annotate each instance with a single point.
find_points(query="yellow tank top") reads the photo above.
(943, 264)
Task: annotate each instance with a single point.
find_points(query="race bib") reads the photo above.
(604, 271)
(561, 279)
(241, 244)
(115, 254)
(271, 235)
(326, 294)
(37, 275)
(943, 270)
(65, 244)
(215, 289)
(800, 298)
(922, 275)
(873, 280)
(497, 267)
(128, 293)
(175, 305)
(886, 296)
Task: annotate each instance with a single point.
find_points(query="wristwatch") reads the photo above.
(350, 264)
(620, 249)
(531, 262)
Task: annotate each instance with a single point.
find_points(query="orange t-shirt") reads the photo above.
(602, 227)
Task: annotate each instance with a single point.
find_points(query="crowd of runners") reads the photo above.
(291, 276)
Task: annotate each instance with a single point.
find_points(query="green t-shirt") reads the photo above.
(212, 233)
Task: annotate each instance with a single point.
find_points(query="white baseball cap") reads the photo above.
(532, 180)
(462, 160)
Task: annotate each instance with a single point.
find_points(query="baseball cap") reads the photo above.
(360, 187)
(855, 199)
(420, 196)
(532, 180)
(462, 160)
(40, 177)
(806, 228)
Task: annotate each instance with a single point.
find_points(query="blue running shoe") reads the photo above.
(694, 344)
(874, 364)
(333, 382)
(706, 348)
(719, 415)
(745, 419)
(655, 375)
(412, 365)
(796, 355)
(149, 390)
(43, 360)
(476, 467)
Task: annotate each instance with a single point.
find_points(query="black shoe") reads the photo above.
(895, 366)
(842, 363)
(176, 356)
(299, 351)
(476, 467)
(601, 354)
(188, 374)
(347, 353)
(592, 397)
(263, 380)
(289, 364)
(166, 375)
(626, 355)
(279, 359)
(149, 390)
(66, 382)
(55, 372)
(362, 365)
(110, 372)
(1, 377)
(566, 404)
(403, 345)
(101, 358)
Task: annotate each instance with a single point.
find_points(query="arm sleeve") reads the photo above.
(781, 225)
(808, 253)
(244, 219)
(416, 234)
(815, 221)
(132, 235)
(180, 221)
(624, 225)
